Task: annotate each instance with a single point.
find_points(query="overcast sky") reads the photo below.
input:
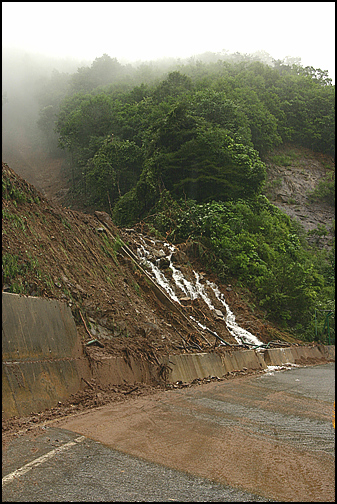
(133, 31)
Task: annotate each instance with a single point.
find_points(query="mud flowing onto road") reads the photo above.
(269, 434)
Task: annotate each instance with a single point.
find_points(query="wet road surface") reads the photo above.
(92, 472)
(253, 438)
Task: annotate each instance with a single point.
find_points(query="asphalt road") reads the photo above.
(255, 438)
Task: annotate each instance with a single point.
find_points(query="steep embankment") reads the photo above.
(55, 252)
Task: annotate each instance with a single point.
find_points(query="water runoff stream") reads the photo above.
(177, 285)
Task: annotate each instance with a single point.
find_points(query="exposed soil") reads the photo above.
(72, 256)
(46, 173)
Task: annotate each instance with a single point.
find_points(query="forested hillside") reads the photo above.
(185, 150)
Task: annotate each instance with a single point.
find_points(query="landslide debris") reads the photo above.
(85, 260)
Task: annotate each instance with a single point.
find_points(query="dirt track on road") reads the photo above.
(246, 433)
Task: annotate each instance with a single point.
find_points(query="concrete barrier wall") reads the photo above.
(118, 371)
(279, 356)
(188, 367)
(329, 351)
(42, 357)
(37, 328)
(298, 355)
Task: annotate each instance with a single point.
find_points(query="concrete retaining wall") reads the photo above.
(43, 360)
(118, 371)
(188, 367)
(298, 355)
(42, 357)
(329, 351)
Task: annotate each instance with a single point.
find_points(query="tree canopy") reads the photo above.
(203, 128)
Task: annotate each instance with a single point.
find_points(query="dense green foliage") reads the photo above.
(202, 127)
(196, 138)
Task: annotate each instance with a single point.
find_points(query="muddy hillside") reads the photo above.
(128, 290)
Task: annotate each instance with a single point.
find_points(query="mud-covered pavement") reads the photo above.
(104, 475)
(265, 436)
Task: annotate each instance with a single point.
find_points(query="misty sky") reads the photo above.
(133, 31)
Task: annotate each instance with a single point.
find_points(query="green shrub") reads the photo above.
(325, 190)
